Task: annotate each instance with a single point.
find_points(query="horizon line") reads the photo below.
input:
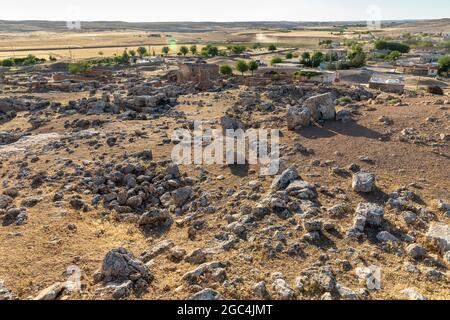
(229, 21)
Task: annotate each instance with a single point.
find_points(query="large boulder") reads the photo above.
(229, 123)
(363, 182)
(366, 214)
(372, 213)
(155, 218)
(298, 117)
(282, 181)
(321, 107)
(316, 280)
(5, 201)
(439, 234)
(181, 196)
(120, 265)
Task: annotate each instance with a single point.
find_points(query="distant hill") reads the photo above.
(60, 26)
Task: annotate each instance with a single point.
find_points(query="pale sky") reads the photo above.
(222, 10)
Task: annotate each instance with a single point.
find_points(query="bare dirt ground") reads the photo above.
(36, 254)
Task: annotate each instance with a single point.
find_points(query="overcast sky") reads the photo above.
(223, 10)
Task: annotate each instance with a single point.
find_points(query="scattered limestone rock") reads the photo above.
(363, 182)
(298, 117)
(5, 293)
(439, 234)
(321, 107)
(282, 289)
(416, 251)
(316, 280)
(282, 181)
(412, 294)
(260, 290)
(207, 294)
(120, 265)
(52, 292)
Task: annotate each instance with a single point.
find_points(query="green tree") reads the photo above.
(210, 51)
(133, 53)
(193, 49)
(444, 64)
(238, 49)
(226, 70)
(166, 50)
(242, 66)
(142, 51)
(357, 61)
(306, 58)
(253, 66)
(256, 45)
(125, 58)
(317, 58)
(184, 50)
(272, 47)
(289, 55)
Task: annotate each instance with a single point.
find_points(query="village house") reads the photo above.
(339, 53)
(417, 68)
(387, 83)
(147, 60)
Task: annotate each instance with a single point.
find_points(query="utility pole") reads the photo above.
(70, 53)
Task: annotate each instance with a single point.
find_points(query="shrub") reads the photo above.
(393, 56)
(276, 60)
(8, 63)
(272, 47)
(79, 67)
(345, 99)
(308, 74)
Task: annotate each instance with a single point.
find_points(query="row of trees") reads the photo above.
(241, 66)
(27, 61)
(392, 46)
(212, 51)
